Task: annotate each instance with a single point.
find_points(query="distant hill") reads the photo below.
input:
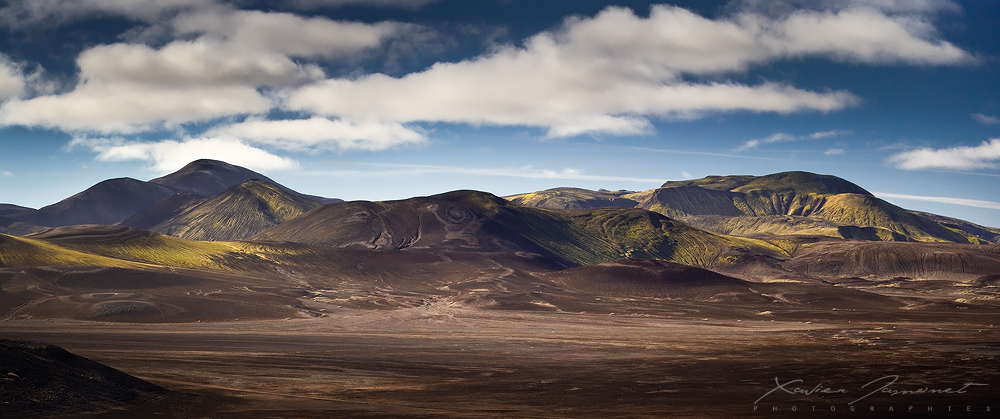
(11, 226)
(785, 203)
(478, 221)
(10, 210)
(148, 204)
(575, 198)
(107, 202)
(234, 214)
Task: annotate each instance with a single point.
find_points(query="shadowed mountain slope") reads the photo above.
(478, 221)
(162, 211)
(887, 260)
(234, 214)
(107, 202)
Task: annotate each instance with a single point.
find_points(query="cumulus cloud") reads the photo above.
(286, 33)
(319, 133)
(129, 88)
(169, 155)
(781, 137)
(129, 108)
(611, 73)
(202, 62)
(986, 119)
(983, 156)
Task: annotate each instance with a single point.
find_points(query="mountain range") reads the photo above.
(739, 225)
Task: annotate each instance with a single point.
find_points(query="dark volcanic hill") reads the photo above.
(208, 177)
(9, 210)
(786, 203)
(478, 221)
(234, 214)
(107, 202)
(40, 379)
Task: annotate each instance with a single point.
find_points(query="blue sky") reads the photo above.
(388, 99)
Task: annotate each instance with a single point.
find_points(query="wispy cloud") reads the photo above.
(781, 137)
(834, 152)
(983, 156)
(830, 133)
(526, 172)
(941, 199)
(7, 174)
(986, 119)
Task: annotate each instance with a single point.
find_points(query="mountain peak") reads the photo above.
(208, 177)
(803, 182)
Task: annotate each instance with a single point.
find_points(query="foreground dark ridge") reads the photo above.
(40, 379)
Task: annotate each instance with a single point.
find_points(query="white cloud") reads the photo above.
(200, 62)
(985, 155)
(834, 152)
(12, 82)
(827, 134)
(249, 31)
(130, 108)
(610, 73)
(7, 174)
(321, 133)
(986, 119)
(168, 155)
(943, 200)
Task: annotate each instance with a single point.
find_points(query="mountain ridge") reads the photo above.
(754, 205)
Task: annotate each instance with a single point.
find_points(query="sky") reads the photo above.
(391, 99)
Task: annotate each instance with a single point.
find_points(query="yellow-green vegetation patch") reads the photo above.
(22, 252)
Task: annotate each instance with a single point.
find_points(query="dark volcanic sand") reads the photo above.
(440, 361)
